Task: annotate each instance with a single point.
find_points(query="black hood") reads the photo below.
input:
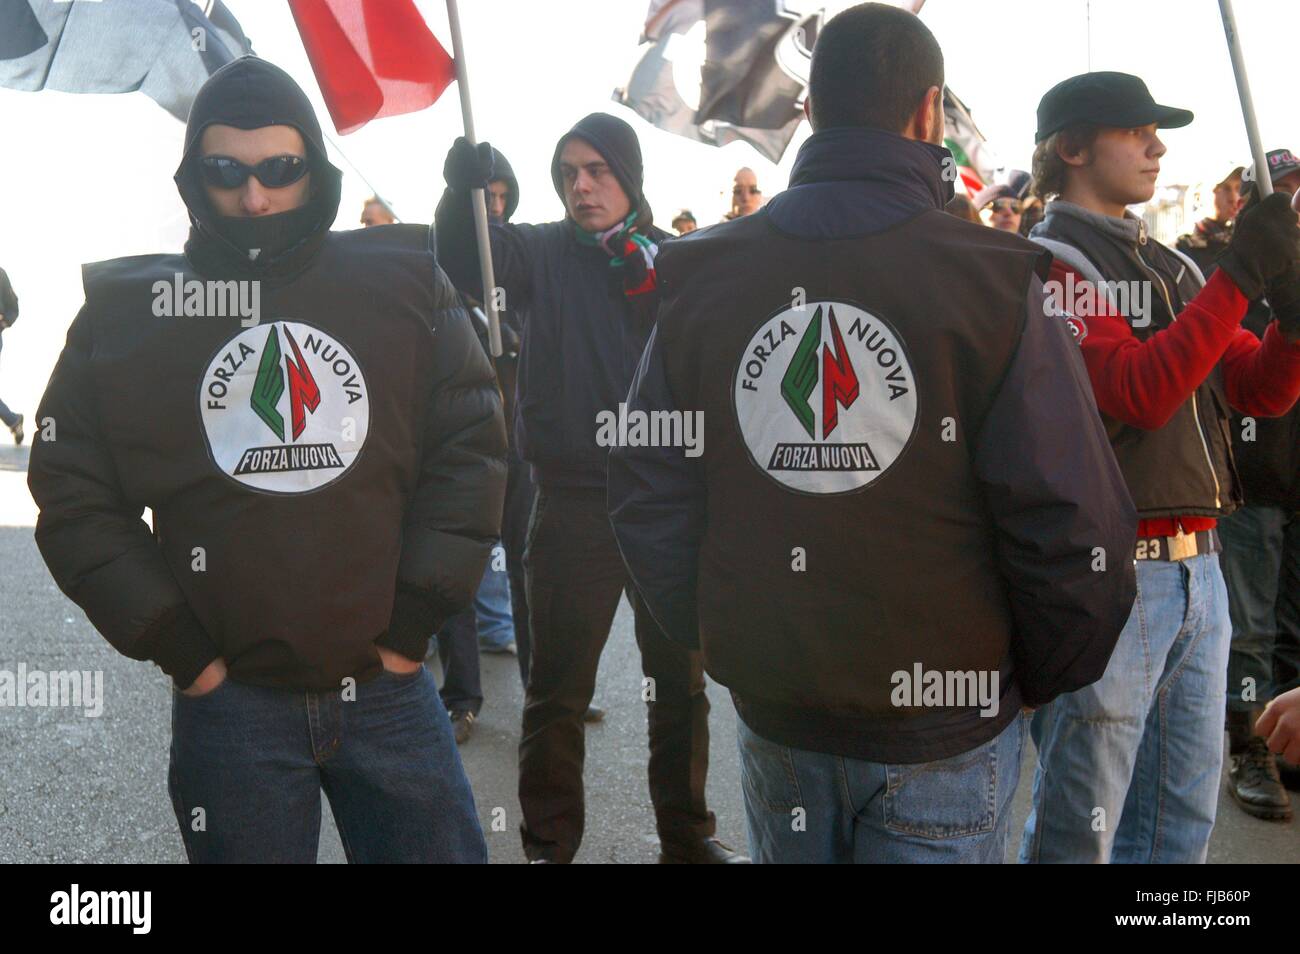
(501, 172)
(616, 141)
(249, 93)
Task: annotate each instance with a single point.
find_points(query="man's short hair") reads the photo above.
(871, 67)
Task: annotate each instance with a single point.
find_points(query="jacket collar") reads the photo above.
(850, 180)
(1130, 230)
(851, 154)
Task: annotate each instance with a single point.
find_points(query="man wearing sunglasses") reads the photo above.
(746, 196)
(325, 484)
(1004, 213)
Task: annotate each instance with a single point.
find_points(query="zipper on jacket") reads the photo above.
(1196, 414)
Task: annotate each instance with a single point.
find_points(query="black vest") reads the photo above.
(1186, 467)
(908, 334)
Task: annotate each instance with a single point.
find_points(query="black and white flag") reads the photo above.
(166, 49)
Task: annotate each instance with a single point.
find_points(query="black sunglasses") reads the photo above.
(222, 172)
(1008, 204)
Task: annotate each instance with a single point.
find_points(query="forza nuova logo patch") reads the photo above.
(825, 397)
(285, 408)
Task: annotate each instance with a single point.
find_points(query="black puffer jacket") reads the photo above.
(325, 479)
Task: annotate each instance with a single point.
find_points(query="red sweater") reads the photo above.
(1143, 383)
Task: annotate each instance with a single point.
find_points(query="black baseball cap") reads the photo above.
(1104, 99)
(1281, 162)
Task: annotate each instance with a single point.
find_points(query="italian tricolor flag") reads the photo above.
(975, 161)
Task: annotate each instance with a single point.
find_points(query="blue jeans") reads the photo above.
(462, 679)
(813, 808)
(1128, 768)
(248, 764)
(496, 628)
(1261, 566)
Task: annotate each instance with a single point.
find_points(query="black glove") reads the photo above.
(468, 167)
(1284, 301)
(1265, 245)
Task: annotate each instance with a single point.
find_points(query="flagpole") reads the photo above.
(369, 185)
(1264, 182)
(477, 196)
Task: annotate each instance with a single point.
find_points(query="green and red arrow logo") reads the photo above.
(304, 394)
(839, 380)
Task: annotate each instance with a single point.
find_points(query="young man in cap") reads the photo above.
(684, 221)
(897, 500)
(325, 478)
(1128, 768)
(589, 285)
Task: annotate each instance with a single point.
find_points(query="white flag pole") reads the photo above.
(477, 197)
(1264, 182)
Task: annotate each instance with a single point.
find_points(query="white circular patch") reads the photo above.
(285, 408)
(825, 397)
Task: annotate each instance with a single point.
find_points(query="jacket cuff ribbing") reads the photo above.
(413, 622)
(181, 648)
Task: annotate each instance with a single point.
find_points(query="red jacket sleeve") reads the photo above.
(1143, 383)
(1262, 378)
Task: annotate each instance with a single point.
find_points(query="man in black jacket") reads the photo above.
(320, 439)
(588, 283)
(8, 315)
(906, 522)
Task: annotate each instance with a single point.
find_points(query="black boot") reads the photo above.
(1254, 783)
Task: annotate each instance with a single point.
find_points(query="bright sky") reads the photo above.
(86, 178)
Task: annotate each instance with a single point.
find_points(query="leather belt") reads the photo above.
(1180, 547)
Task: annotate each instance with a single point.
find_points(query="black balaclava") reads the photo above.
(501, 172)
(616, 141)
(249, 93)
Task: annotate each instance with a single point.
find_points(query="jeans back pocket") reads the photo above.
(947, 798)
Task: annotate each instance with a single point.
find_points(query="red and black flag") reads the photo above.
(165, 49)
(721, 70)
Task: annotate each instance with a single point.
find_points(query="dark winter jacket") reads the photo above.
(582, 341)
(904, 469)
(1205, 243)
(323, 480)
(1269, 463)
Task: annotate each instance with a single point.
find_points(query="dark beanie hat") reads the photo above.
(616, 141)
